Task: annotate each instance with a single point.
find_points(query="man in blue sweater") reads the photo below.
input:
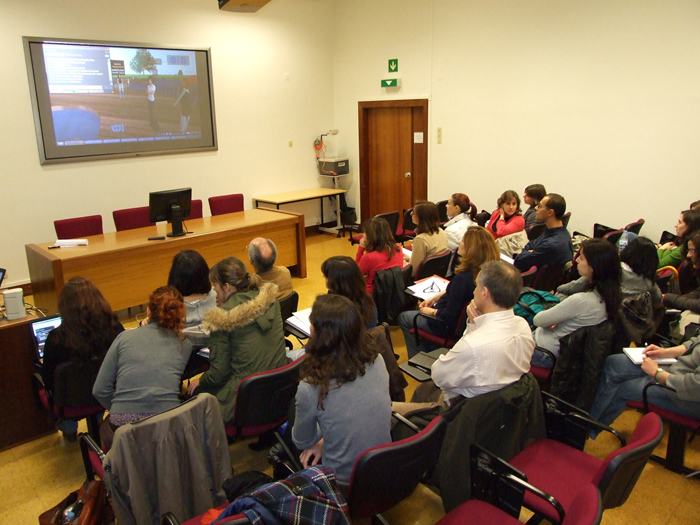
(554, 245)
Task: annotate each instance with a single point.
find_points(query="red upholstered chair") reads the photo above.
(407, 230)
(196, 211)
(548, 277)
(391, 217)
(434, 265)
(445, 342)
(72, 396)
(498, 490)
(262, 401)
(678, 427)
(635, 227)
(548, 462)
(535, 230)
(529, 277)
(482, 218)
(78, 227)
(226, 204)
(542, 374)
(131, 218)
(385, 475)
(614, 236)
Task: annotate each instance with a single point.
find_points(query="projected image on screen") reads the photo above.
(112, 94)
(101, 99)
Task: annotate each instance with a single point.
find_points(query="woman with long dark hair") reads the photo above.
(430, 239)
(343, 277)
(140, 375)
(88, 328)
(246, 332)
(377, 251)
(476, 248)
(343, 405)
(673, 253)
(462, 214)
(507, 218)
(599, 262)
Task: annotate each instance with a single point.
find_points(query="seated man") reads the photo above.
(554, 245)
(263, 255)
(495, 350)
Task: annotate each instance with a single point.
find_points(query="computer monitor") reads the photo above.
(170, 205)
(40, 331)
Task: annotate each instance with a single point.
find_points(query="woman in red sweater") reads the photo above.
(507, 219)
(377, 251)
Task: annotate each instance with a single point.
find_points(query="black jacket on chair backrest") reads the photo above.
(580, 364)
(389, 294)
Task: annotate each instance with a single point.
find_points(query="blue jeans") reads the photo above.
(405, 321)
(623, 381)
(541, 359)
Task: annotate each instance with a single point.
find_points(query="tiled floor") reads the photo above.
(37, 475)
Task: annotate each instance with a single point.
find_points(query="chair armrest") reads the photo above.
(87, 445)
(549, 353)
(415, 324)
(650, 385)
(405, 421)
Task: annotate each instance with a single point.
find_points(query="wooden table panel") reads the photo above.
(126, 267)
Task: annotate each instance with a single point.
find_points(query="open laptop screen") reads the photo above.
(40, 330)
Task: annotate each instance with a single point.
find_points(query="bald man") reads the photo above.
(263, 255)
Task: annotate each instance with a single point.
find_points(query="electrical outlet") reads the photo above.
(439, 135)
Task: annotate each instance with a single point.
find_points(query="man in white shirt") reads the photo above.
(494, 351)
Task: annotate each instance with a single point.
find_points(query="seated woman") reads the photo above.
(377, 251)
(189, 274)
(430, 239)
(638, 262)
(534, 193)
(507, 218)
(462, 215)
(343, 277)
(599, 262)
(691, 300)
(476, 247)
(246, 333)
(673, 253)
(88, 328)
(140, 375)
(342, 405)
(623, 381)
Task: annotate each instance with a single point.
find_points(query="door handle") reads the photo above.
(407, 175)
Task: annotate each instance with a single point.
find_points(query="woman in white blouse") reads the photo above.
(462, 214)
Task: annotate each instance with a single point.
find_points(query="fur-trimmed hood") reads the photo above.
(242, 314)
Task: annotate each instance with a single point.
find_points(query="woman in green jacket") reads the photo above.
(246, 332)
(673, 253)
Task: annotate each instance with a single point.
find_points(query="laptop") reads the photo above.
(40, 329)
(2, 275)
(419, 366)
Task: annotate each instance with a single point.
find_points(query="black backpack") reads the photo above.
(531, 302)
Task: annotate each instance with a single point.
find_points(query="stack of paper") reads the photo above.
(426, 288)
(65, 243)
(300, 321)
(636, 356)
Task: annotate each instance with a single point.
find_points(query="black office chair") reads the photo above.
(288, 306)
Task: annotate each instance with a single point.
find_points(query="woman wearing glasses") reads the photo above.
(476, 247)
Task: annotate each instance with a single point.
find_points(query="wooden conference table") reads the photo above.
(306, 195)
(127, 267)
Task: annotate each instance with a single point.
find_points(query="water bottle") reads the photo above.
(624, 240)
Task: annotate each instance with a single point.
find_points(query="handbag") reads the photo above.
(89, 503)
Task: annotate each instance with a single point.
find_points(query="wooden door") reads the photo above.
(393, 158)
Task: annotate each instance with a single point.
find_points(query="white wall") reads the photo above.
(258, 111)
(599, 100)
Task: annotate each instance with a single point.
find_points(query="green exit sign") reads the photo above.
(390, 82)
(393, 65)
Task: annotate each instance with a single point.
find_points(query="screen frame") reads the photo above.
(40, 115)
